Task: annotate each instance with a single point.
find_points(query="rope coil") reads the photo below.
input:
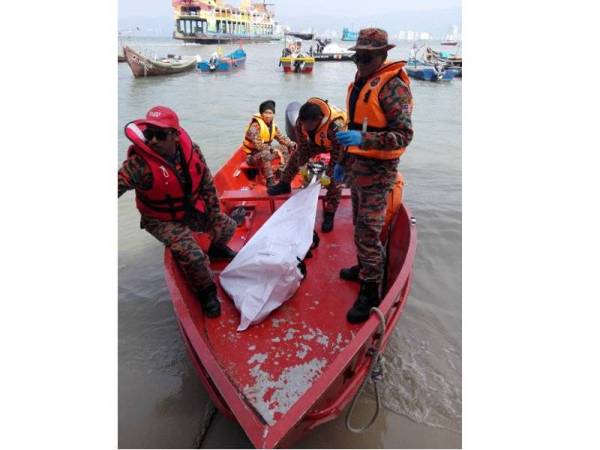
(376, 375)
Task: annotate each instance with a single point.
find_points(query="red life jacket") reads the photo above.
(170, 196)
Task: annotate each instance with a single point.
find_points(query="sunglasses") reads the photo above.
(157, 133)
(363, 58)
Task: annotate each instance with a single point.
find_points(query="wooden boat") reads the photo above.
(223, 63)
(142, 66)
(304, 363)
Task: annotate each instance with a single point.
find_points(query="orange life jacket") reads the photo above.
(170, 196)
(330, 114)
(394, 201)
(367, 108)
(267, 133)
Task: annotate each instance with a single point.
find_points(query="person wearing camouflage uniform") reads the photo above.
(315, 133)
(379, 105)
(159, 153)
(258, 138)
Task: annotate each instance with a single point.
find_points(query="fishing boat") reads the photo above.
(330, 51)
(429, 73)
(303, 364)
(142, 66)
(217, 63)
(348, 35)
(448, 60)
(215, 22)
(294, 58)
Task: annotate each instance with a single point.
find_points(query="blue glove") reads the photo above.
(351, 137)
(338, 173)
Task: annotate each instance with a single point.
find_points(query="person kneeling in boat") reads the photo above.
(176, 196)
(317, 123)
(379, 104)
(259, 136)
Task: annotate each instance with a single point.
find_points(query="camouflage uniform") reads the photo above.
(264, 154)
(372, 179)
(179, 235)
(306, 149)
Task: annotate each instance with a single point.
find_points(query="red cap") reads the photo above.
(162, 117)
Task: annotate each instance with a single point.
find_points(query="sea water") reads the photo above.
(161, 401)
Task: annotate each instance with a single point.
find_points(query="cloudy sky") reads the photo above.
(435, 16)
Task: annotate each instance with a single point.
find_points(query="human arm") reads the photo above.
(283, 139)
(207, 188)
(134, 174)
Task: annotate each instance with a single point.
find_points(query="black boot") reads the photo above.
(280, 188)
(221, 252)
(210, 301)
(327, 224)
(350, 273)
(368, 297)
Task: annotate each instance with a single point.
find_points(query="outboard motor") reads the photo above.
(291, 115)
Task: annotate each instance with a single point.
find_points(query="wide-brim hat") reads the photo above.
(372, 39)
(162, 117)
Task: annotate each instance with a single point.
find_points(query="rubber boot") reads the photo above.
(368, 297)
(350, 273)
(280, 188)
(211, 306)
(221, 252)
(327, 224)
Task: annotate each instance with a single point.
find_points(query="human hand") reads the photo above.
(338, 173)
(351, 137)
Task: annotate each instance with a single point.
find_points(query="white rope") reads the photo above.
(375, 374)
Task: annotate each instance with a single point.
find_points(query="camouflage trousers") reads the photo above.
(370, 181)
(179, 237)
(300, 157)
(264, 158)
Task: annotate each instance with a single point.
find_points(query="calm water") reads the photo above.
(161, 402)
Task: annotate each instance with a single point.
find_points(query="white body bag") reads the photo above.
(265, 273)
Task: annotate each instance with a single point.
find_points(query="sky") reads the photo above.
(434, 16)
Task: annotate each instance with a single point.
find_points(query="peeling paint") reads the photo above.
(275, 339)
(284, 391)
(304, 349)
(290, 334)
(258, 357)
(252, 348)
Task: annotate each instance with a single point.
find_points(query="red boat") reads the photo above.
(304, 363)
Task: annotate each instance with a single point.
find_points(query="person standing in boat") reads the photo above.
(379, 104)
(176, 196)
(317, 123)
(258, 140)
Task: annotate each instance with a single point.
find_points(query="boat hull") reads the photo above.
(301, 366)
(146, 67)
(297, 65)
(223, 38)
(427, 73)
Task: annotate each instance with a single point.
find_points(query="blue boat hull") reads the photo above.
(225, 64)
(430, 74)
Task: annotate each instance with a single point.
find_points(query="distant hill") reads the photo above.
(435, 22)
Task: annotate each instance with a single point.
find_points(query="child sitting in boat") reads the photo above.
(258, 140)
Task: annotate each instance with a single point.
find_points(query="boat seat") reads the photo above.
(254, 195)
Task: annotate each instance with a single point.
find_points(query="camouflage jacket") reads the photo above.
(136, 174)
(304, 144)
(253, 134)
